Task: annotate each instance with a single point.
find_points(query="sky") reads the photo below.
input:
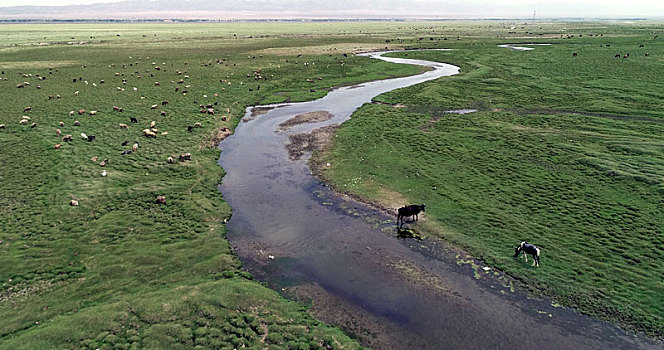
(5, 3)
(544, 8)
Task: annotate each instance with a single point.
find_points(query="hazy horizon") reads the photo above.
(340, 8)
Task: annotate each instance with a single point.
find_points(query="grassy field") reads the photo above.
(120, 270)
(565, 152)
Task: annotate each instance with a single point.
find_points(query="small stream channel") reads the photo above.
(345, 259)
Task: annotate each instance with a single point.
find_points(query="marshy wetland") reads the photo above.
(563, 150)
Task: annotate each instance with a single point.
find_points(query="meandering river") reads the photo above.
(292, 232)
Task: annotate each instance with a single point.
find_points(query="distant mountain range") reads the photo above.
(271, 9)
(246, 9)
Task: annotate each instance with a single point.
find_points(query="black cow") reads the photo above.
(124, 143)
(410, 210)
(133, 120)
(91, 138)
(528, 249)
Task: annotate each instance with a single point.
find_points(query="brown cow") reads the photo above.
(186, 156)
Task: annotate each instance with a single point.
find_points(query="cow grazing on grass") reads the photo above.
(133, 120)
(528, 249)
(161, 200)
(91, 138)
(410, 210)
(575, 54)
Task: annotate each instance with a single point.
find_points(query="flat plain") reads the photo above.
(564, 151)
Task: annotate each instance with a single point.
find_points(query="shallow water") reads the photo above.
(521, 48)
(400, 294)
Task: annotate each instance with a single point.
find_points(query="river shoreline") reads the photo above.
(293, 232)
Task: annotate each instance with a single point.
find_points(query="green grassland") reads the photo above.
(565, 152)
(119, 270)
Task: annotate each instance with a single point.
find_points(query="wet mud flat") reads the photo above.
(345, 259)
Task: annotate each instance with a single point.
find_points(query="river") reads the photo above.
(345, 260)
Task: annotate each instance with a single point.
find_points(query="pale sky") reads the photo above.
(544, 8)
(4, 3)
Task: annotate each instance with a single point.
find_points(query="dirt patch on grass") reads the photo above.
(36, 64)
(212, 140)
(304, 118)
(316, 140)
(395, 105)
(26, 289)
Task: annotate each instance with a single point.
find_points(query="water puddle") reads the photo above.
(460, 111)
(521, 48)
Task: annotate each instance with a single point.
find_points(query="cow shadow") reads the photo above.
(404, 233)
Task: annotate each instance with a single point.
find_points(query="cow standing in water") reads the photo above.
(410, 210)
(528, 249)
